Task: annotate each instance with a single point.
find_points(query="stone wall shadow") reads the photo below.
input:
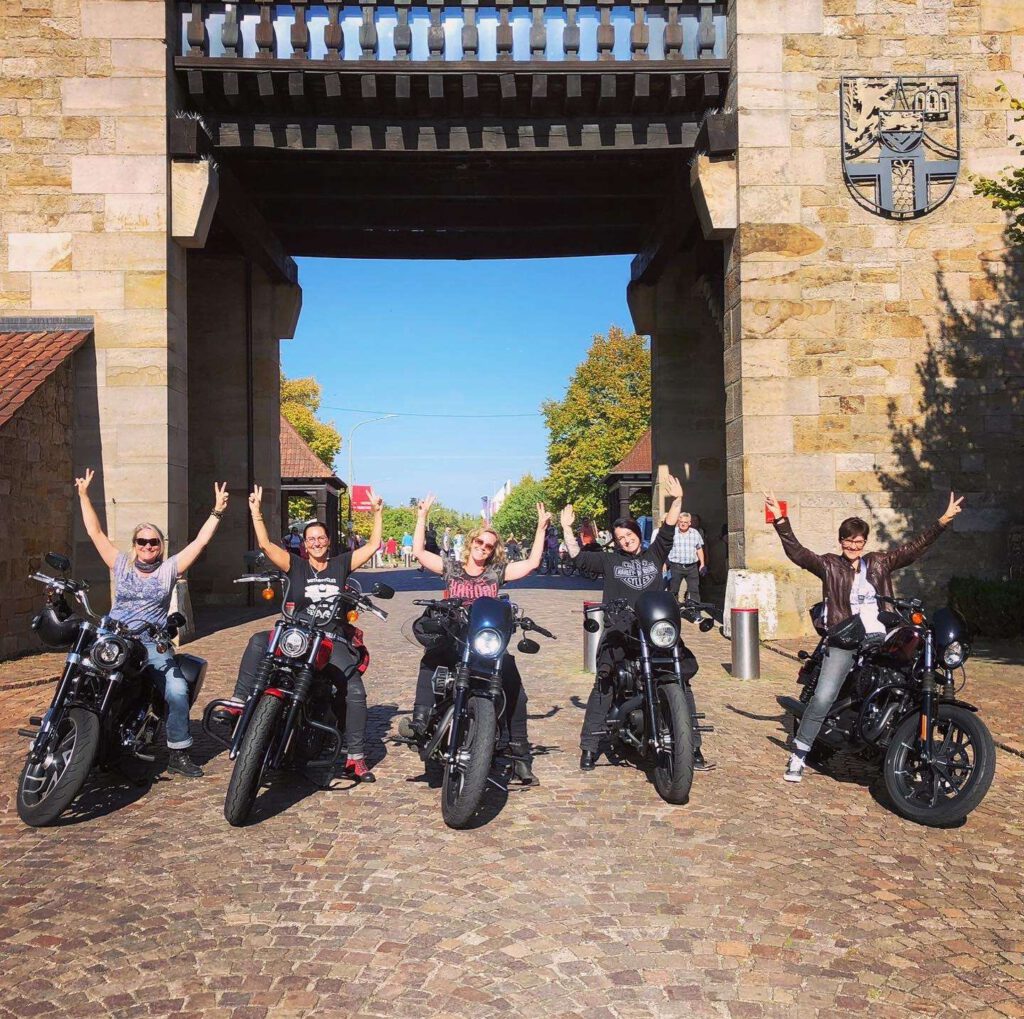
(969, 432)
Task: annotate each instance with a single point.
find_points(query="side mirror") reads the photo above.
(58, 561)
(256, 562)
(591, 625)
(527, 646)
(706, 625)
(802, 655)
(383, 591)
(176, 620)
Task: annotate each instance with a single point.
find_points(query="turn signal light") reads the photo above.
(352, 616)
(917, 618)
(267, 594)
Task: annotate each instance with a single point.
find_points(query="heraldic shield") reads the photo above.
(901, 142)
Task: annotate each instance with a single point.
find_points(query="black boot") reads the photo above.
(522, 769)
(179, 763)
(588, 760)
(415, 728)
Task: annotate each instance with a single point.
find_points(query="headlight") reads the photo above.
(954, 655)
(293, 643)
(109, 653)
(663, 634)
(488, 643)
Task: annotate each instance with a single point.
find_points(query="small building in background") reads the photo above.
(629, 477)
(304, 473)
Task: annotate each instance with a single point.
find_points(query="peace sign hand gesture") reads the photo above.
(424, 505)
(376, 502)
(255, 501)
(220, 496)
(773, 505)
(952, 510)
(543, 517)
(82, 484)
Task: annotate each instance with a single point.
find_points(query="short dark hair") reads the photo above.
(314, 523)
(853, 527)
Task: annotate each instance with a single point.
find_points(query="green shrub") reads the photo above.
(992, 608)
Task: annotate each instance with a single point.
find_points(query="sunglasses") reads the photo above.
(854, 543)
(485, 545)
(148, 542)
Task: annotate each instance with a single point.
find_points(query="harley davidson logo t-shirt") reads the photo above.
(459, 584)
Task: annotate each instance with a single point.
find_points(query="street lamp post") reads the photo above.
(357, 425)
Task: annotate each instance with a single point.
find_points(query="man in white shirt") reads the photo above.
(686, 560)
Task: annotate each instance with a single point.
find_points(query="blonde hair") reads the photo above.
(497, 556)
(133, 555)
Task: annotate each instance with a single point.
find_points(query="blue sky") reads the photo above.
(453, 338)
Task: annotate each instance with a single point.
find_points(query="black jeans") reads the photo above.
(691, 574)
(610, 654)
(350, 693)
(513, 719)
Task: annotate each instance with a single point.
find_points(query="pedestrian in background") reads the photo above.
(686, 559)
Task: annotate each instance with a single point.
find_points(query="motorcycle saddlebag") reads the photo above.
(429, 632)
(847, 635)
(193, 669)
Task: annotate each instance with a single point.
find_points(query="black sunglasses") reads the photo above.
(151, 542)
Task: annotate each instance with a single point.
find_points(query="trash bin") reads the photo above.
(746, 646)
(591, 641)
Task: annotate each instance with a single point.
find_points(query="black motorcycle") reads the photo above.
(650, 715)
(288, 719)
(107, 705)
(899, 708)
(462, 733)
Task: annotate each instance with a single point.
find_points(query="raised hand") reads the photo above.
(256, 500)
(376, 502)
(220, 496)
(952, 509)
(543, 516)
(673, 487)
(567, 517)
(82, 484)
(424, 505)
(773, 505)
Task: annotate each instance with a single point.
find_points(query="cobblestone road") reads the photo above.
(587, 896)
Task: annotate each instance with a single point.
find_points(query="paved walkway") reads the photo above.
(587, 896)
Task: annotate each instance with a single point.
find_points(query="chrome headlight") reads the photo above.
(663, 634)
(488, 643)
(293, 643)
(954, 655)
(109, 653)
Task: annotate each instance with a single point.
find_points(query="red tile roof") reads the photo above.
(297, 459)
(27, 360)
(638, 459)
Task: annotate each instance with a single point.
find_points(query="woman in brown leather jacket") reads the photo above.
(851, 583)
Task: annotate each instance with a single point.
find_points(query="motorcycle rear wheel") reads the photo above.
(252, 760)
(947, 790)
(463, 785)
(46, 790)
(673, 771)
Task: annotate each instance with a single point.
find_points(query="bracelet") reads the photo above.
(257, 520)
(217, 513)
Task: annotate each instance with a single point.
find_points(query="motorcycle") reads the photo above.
(650, 715)
(899, 707)
(107, 704)
(462, 730)
(286, 720)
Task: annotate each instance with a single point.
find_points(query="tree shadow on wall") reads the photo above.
(969, 434)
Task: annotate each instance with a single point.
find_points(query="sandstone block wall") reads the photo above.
(37, 503)
(870, 364)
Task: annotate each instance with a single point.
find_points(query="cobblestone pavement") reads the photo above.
(587, 896)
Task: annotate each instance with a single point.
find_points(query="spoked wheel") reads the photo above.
(466, 778)
(252, 760)
(673, 768)
(947, 788)
(46, 789)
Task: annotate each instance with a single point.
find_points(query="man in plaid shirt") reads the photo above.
(686, 558)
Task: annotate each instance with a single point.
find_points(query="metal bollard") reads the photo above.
(746, 646)
(591, 641)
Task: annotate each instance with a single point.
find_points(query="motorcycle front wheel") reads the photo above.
(673, 766)
(946, 789)
(46, 789)
(252, 760)
(466, 778)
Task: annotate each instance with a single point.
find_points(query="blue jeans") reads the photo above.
(175, 689)
(834, 671)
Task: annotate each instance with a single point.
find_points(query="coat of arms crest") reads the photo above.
(901, 142)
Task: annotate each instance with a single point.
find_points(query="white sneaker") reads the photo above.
(795, 770)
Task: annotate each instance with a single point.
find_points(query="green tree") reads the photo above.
(606, 408)
(518, 513)
(300, 401)
(1007, 191)
(399, 519)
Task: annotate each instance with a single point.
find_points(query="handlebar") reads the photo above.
(911, 604)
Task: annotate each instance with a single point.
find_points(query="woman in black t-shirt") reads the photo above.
(318, 577)
(480, 573)
(628, 571)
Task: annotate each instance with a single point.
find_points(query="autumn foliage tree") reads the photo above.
(606, 408)
(300, 402)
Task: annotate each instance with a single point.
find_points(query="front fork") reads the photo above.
(924, 732)
(40, 744)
